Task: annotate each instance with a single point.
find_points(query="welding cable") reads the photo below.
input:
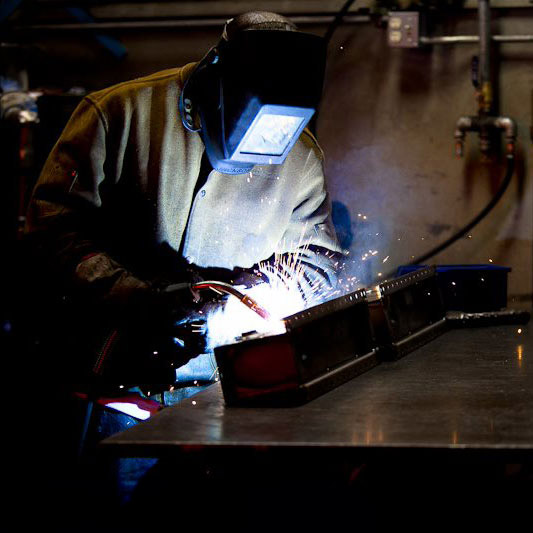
(481, 215)
(337, 21)
(221, 287)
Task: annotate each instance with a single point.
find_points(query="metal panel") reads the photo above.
(323, 347)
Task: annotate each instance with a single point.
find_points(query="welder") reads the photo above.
(191, 173)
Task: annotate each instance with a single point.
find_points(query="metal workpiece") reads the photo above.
(326, 345)
(322, 347)
(325, 309)
(408, 313)
(468, 393)
(461, 319)
(407, 280)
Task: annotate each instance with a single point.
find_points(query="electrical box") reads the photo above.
(403, 30)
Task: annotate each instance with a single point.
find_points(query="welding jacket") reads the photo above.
(119, 187)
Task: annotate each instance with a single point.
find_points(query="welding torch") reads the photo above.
(225, 288)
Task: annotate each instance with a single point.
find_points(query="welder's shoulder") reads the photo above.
(308, 143)
(131, 92)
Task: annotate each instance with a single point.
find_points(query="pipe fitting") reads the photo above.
(510, 129)
(463, 125)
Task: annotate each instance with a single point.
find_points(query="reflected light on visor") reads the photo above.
(271, 134)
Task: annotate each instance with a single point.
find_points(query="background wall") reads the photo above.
(386, 126)
(386, 122)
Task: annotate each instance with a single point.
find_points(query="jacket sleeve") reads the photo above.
(310, 235)
(62, 222)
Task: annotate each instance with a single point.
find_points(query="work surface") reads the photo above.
(470, 390)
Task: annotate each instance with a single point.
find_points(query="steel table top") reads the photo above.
(470, 389)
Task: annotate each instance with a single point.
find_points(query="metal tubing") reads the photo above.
(484, 41)
(174, 23)
(513, 38)
(508, 125)
(474, 39)
(465, 124)
(451, 39)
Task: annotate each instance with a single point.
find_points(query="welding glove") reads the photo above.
(249, 279)
(142, 330)
(149, 349)
(170, 330)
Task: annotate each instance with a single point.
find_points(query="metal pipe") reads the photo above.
(474, 39)
(174, 23)
(513, 38)
(450, 39)
(484, 41)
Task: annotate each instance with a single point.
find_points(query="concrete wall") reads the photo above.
(386, 126)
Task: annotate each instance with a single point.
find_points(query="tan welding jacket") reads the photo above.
(120, 183)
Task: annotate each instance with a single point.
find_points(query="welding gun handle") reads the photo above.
(180, 294)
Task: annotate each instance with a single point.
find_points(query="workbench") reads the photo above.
(468, 391)
(442, 438)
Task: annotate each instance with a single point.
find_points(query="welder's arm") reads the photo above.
(64, 212)
(65, 230)
(310, 233)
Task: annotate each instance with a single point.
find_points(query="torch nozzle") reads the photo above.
(219, 286)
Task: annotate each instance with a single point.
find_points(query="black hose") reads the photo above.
(337, 21)
(481, 215)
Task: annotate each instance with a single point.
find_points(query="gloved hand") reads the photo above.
(161, 331)
(249, 279)
(173, 325)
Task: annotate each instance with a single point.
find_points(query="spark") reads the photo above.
(386, 259)
(519, 330)
(286, 291)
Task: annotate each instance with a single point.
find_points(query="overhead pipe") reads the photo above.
(474, 39)
(174, 23)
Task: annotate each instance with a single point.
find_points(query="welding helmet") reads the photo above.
(251, 96)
